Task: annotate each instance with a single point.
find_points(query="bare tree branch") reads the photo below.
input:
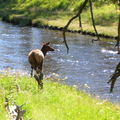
(114, 77)
(80, 22)
(93, 21)
(66, 26)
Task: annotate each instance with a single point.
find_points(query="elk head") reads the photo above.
(45, 48)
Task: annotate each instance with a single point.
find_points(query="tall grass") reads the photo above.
(54, 102)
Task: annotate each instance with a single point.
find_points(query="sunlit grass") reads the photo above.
(58, 12)
(55, 101)
(107, 30)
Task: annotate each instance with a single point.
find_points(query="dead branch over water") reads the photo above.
(114, 77)
(80, 24)
(93, 21)
(74, 17)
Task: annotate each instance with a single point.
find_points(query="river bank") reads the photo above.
(55, 101)
(55, 18)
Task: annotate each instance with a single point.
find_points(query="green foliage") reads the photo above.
(105, 15)
(27, 11)
(57, 13)
(55, 101)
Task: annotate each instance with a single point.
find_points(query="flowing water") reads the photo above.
(88, 65)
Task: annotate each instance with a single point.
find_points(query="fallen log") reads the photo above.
(15, 112)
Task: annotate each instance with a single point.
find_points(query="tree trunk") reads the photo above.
(118, 39)
(116, 74)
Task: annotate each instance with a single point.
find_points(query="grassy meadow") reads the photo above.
(54, 102)
(58, 12)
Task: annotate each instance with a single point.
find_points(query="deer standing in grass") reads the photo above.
(35, 58)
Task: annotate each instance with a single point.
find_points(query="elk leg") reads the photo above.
(41, 76)
(31, 71)
(39, 79)
(40, 84)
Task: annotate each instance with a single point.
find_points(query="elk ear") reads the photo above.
(47, 43)
(43, 43)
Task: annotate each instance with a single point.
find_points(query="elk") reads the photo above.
(35, 58)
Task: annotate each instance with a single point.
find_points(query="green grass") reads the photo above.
(54, 102)
(58, 12)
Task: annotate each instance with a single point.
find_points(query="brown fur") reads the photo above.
(36, 57)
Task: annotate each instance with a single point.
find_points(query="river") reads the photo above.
(87, 66)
